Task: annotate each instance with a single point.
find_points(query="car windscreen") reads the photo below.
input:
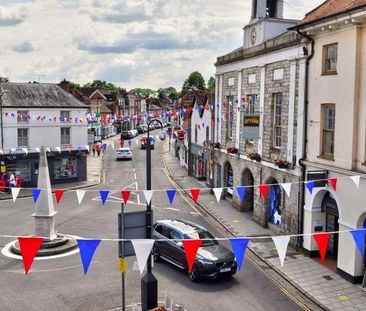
(201, 235)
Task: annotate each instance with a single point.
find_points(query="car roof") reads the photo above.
(124, 149)
(182, 225)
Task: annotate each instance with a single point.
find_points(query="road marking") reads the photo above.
(172, 209)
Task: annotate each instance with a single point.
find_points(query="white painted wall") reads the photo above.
(197, 120)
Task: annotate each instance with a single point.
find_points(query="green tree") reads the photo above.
(211, 84)
(104, 85)
(4, 79)
(168, 92)
(143, 93)
(194, 81)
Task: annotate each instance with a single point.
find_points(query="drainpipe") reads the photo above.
(303, 158)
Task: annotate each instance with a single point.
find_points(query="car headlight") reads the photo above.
(206, 262)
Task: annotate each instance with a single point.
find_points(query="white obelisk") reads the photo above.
(44, 217)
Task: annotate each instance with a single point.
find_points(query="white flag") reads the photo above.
(112, 146)
(148, 195)
(142, 248)
(281, 243)
(37, 149)
(48, 149)
(287, 188)
(87, 147)
(356, 180)
(58, 149)
(13, 150)
(15, 193)
(218, 193)
(1, 151)
(25, 150)
(80, 194)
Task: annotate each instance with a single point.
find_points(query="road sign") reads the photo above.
(122, 265)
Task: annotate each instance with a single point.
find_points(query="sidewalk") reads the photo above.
(322, 284)
(95, 167)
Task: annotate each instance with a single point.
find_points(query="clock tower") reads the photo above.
(266, 22)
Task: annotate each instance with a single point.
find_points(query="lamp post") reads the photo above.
(1, 118)
(149, 284)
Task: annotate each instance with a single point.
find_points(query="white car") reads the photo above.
(124, 154)
(134, 133)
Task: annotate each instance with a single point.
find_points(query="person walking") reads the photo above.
(97, 148)
(122, 143)
(93, 149)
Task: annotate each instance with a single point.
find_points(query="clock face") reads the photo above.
(253, 36)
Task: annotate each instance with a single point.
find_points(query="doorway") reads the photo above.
(248, 181)
(329, 206)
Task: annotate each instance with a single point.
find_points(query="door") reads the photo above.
(176, 250)
(332, 225)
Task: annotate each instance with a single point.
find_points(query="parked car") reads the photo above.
(152, 127)
(126, 135)
(143, 142)
(134, 133)
(212, 260)
(142, 129)
(124, 154)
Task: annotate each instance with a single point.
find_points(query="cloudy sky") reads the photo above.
(132, 43)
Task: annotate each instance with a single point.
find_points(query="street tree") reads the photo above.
(168, 92)
(211, 84)
(101, 84)
(194, 81)
(143, 93)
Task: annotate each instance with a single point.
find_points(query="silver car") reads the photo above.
(124, 154)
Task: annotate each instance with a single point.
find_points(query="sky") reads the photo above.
(131, 43)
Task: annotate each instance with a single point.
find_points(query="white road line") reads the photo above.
(172, 209)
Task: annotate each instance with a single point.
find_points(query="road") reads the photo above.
(59, 284)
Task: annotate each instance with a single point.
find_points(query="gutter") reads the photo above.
(300, 214)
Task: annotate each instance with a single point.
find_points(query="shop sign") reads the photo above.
(2, 169)
(251, 127)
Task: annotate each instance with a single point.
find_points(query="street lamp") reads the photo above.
(149, 284)
(1, 118)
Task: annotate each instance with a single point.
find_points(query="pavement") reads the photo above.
(316, 281)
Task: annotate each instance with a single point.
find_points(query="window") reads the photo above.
(328, 127)
(64, 116)
(330, 55)
(65, 135)
(22, 137)
(207, 133)
(277, 122)
(65, 168)
(21, 169)
(230, 117)
(250, 103)
(22, 116)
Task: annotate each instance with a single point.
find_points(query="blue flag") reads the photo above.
(104, 146)
(129, 143)
(36, 193)
(310, 186)
(359, 237)
(188, 130)
(87, 249)
(171, 195)
(218, 119)
(104, 195)
(170, 135)
(239, 246)
(241, 192)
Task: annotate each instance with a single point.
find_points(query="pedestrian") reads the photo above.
(12, 182)
(122, 143)
(93, 149)
(97, 148)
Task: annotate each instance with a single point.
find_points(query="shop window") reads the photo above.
(64, 116)
(275, 205)
(65, 168)
(22, 116)
(20, 169)
(23, 137)
(277, 122)
(328, 129)
(65, 135)
(330, 58)
(250, 103)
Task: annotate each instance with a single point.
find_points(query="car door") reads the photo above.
(176, 250)
(161, 234)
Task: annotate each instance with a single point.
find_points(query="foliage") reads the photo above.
(211, 84)
(232, 150)
(168, 92)
(282, 163)
(255, 156)
(104, 85)
(143, 93)
(194, 81)
(4, 79)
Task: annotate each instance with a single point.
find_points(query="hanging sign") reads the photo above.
(251, 127)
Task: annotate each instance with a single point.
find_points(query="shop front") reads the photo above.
(200, 163)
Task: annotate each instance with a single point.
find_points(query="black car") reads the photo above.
(212, 260)
(126, 135)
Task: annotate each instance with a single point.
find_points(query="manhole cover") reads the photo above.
(328, 277)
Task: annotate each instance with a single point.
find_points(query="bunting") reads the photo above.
(333, 183)
(281, 243)
(29, 247)
(241, 192)
(322, 240)
(142, 250)
(191, 247)
(264, 191)
(103, 195)
(80, 195)
(359, 237)
(36, 193)
(195, 194)
(87, 249)
(171, 195)
(356, 180)
(218, 193)
(125, 195)
(15, 193)
(310, 186)
(148, 195)
(239, 246)
(287, 188)
(58, 194)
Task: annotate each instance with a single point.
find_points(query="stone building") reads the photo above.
(260, 91)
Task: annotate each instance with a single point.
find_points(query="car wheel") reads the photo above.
(156, 254)
(194, 275)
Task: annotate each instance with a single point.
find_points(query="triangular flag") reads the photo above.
(48, 149)
(241, 192)
(310, 186)
(356, 180)
(58, 194)
(129, 143)
(287, 188)
(142, 250)
(322, 241)
(87, 148)
(104, 146)
(218, 193)
(264, 191)
(37, 149)
(195, 194)
(80, 194)
(191, 247)
(29, 247)
(15, 193)
(36, 193)
(25, 150)
(333, 183)
(58, 149)
(281, 243)
(125, 195)
(104, 195)
(359, 237)
(148, 195)
(171, 195)
(239, 246)
(87, 249)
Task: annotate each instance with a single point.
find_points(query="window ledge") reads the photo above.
(326, 157)
(330, 73)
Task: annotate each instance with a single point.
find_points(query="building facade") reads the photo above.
(36, 115)
(259, 117)
(336, 130)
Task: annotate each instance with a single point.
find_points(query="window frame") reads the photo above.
(63, 136)
(23, 137)
(22, 120)
(62, 118)
(275, 125)
(325, 59)
(323, 108)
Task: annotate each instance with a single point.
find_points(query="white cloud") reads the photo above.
(134, 43)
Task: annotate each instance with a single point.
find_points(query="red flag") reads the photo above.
(125, 195)
(29, 247)
(191, 247)
(264, 191)
(195, 194)
(58, 194)
(333, 182)
(322, 241)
